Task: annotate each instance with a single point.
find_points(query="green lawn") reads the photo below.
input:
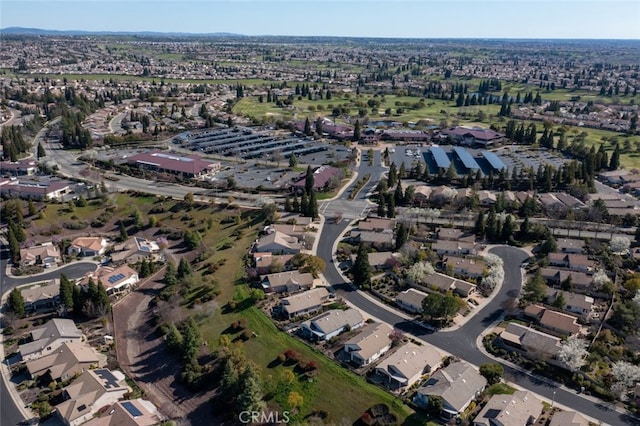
(500, 389)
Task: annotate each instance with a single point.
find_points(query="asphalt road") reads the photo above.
(9, 412)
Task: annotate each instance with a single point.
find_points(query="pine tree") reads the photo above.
(295, 205)
(16, 303)
(356, 131)
(313, 205)
(41, 152)
(304, 203)
(480, 226)
(307, 127)
(382, 210)
(361, 268)
(614, 163)
(251, 397)
(66, 292)
(391, 206)
(184, 268)
(309, 180)
(123, 231)
(170, 274)
(402, 235)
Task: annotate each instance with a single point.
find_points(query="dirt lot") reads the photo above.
(143, 356)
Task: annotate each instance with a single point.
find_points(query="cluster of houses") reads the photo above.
(569, 305)
(58, 351)
(116, 277)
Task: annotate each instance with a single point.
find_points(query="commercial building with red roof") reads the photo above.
(189, 166)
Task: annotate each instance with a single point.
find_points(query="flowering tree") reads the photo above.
(573, 353)
(600, 278)
(419, 271)
(626, 375)
(620, 245)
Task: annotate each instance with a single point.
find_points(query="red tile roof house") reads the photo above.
(88, 246)
(322, 177)
(190, 166)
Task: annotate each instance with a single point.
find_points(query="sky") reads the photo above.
(603, 19)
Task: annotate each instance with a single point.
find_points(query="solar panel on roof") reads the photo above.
(131, 409)
(442, 161)
(494, 160)
(467, 160)
(109, 380)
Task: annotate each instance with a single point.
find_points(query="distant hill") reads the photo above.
(43, 32)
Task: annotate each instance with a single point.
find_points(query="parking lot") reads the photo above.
(513, 156)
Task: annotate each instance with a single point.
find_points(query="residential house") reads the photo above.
(380, 260)
(304, 303)
(570, 245)
(569, 201)
(575, 262)
(264, 262)
(445, 283)
(89, 393)
(521, 409)
(560, 323)
(331, 323)
(578, 280)
(49, 338)
(466, 267)
(554, 321)
(487, 198)
(407, 364)
(46, 254)
(292, 230)
(534, 343)
(289, 282)
(377, 224)
(550, 203)
(118, 279)
(88, 246)
(568, 418)
(575, 303)
(69, 359)
(379, 240)
(422, 194)
(136, 249)
(456, 385)
(134, 412)
(41, 298)
(411, 300)
(454, 234)
(371, 342)
(455, 248)
(278, 243)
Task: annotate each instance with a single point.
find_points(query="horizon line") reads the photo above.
(33, 31)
